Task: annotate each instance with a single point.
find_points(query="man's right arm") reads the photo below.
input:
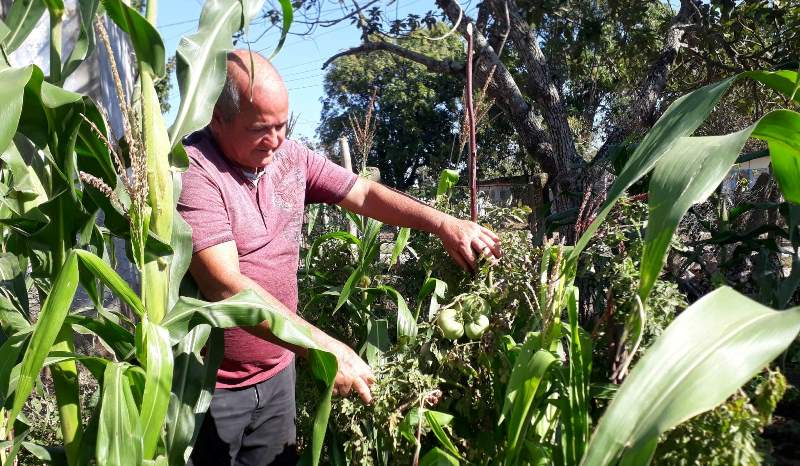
(216, 271)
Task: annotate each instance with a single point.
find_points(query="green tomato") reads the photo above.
(477, 327)
(450, 325)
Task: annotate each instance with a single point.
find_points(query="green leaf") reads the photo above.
(116, 337)
(22, 18)
(4, 32)
(16, 444)
(438, 457)
(144, 37)
(111, 278)
(117, 441)
(193, 383)
(704, 356)
(781, 130)
(576, 419)
(247, 308)
(181, 243)
(440, 434)
(406, 323)
(288, 14)
(681, 119)
(201, 61)
(158, 370)
(783, 81)
(324, 367)
(434, 288)
(49, 455)
(84, 43)
(347, 289)
(447, 179)
(12, 85)
(54, 310)
(339, 235)
(377, 341)
(692, 168)
(10, 350)
(400, 244)
(56, 7)
(528, 373)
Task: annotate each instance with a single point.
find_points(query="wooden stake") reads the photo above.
(473, 152)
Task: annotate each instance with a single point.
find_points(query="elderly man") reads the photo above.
(244, 196)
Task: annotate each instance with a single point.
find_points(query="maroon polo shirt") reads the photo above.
(264, 218)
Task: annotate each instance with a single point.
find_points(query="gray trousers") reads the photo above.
(250, 426)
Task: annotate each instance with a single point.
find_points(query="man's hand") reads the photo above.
(466, 242)
(354, 373)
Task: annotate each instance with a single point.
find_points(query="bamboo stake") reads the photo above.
(473, 153)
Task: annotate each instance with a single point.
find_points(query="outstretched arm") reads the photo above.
(465, 241)
(216, 271)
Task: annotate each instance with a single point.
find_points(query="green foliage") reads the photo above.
(728, 434)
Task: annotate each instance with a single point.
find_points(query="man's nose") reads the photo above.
(270, 140)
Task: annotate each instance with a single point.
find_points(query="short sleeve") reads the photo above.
(325, 181)
(202, 206)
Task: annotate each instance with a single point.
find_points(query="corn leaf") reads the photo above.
(111, 278)
(144, 37)
(114, 336)
(54, 310)
(15, 444)
(201, 60)
(248, 308)
(11, 350)
(692, 168)
(704, 356)
(438, 457)
(577, 423)
(84, 43)
(440, 434)
(12, 85)
(447, 179)
(377, 341)
(193, 382)
(288, 15)
(21, 18)
(117, 441)
(400, 244)
(681, 119)
(529, 372)
(406, 323)
(158, 370)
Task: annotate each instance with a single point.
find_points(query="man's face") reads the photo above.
(251, 138)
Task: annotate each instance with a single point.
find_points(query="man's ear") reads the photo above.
(217, 123)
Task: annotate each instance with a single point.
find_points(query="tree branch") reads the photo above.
(432, 64)
(642, 113)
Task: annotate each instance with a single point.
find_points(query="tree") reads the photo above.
(416, 113)
(577, 79)
(414, 109)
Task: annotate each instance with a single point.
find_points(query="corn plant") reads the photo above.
(61, 167)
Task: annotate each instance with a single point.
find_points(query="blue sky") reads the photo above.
(299, 62)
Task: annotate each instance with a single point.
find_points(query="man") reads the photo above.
(244, 196)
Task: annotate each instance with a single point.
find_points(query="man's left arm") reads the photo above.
(465, 241)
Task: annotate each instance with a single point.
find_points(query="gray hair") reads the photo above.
(229, 101)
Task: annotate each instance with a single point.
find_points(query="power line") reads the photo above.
(162, 26)
(302, 87)
(304, 78)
